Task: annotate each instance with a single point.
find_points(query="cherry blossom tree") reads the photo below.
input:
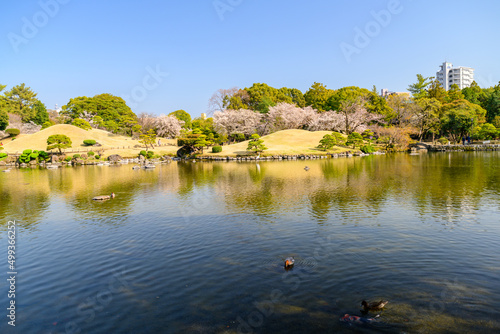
(168, 126)
(285, 116)
(356, 117)
(231, 121)
(328, 121)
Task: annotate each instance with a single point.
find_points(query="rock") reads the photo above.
(23, 165)
(3, 163)
(32, 163)
(114, 158)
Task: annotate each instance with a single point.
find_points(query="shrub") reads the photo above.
(27, 152)
(34, 155)
(443, 140)
(367, 149)
(216, 149)
(47, 125)
(97, 156)
(354, 139)
(150, 154)
(1, 148)
(13, 132)
(76, 156)
(90, 153)
(143, 153)
(3, 155)
(42, 155)
(25, 158)
(67, 159)
(89, 142)
(81, 123)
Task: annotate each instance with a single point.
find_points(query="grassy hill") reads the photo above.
(38, 141)
(283, 142)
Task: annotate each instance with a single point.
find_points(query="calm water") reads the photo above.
(199, 247)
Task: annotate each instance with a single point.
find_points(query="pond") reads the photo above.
(199, 247)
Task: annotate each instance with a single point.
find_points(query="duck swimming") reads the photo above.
(104, 197)
(289, 262)
(374, 305)
(306, 168)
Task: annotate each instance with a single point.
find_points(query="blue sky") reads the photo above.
(167, 55)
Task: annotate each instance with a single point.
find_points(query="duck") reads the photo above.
(104, 197)
(136, 167)
(373, 306)
(289, 262)
(6, 170)
(306, 168)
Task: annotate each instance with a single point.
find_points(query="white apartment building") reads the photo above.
(448, 75)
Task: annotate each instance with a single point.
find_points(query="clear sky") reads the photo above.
(167, 55)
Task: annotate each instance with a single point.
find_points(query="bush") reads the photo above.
(97, 156)
(443, 140)
(81, 123)
(34, 155)
(90, 153)
(216, 149)
(89, 142)
(367, 149)
(13, 132)
(76, 156)
(67, 159)
(42, 155)
(27, 152)
(47, 125)
(150, 154)
(25, 158)
(143, 153)
(3, 155)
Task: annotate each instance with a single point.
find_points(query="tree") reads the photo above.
(20, 100)
(285, 116)
(183, 116)
(454, 94)
(354, 139)
(58, 141)
(256, 144)
(109, 107)
(296, 95)
(437, 91)
(168, 126)
(148, 139)
(459, 118)
(236, 121)
(4, 119)
(82, 124)
(329, 141)
(317, 97)
(486, 131)
(401, 109)
(418, 89)
(355, 116)
(425, 116)
(473, 93)
(40, 112)
(221, 99)
(201, 142)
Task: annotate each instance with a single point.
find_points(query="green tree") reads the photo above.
(58, 141)
(201, 142)
(437, 91)
(81, 123)
(148, 139)
(426, 116)
(317, 97)
(459, 118)
(40, 112)
(454, 94)
(354, 139)
(256, 144)
(20, 100)
(109, 107)
(182, 115)
(418, 89)
(492, 105)
(473, 93)
(296, 95)
(4, 119)
(327, 142)
(486, 131)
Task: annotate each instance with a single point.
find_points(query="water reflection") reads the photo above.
(203, 243)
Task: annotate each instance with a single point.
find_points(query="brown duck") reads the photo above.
(373, 306)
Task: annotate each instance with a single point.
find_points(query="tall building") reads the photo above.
(448, 75)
